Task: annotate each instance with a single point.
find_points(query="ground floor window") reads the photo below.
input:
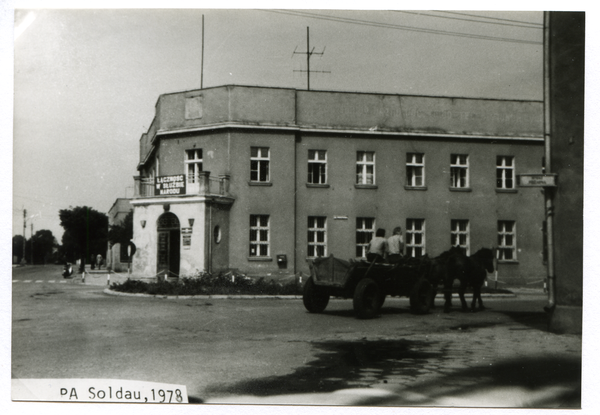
(459, 234)
(507, 240)
(317, 236)
(415, 237)
(365, 231)
(259, 235)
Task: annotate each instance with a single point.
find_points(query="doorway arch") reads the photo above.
(168, 252)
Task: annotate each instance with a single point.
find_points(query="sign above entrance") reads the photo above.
(537, 180)
(169, 185)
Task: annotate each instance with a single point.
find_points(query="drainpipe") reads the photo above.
(548, 192)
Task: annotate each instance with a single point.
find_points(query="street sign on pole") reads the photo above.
(537, 180)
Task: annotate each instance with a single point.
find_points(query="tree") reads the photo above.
(41, 246)
(17, 247)
(85, 232)
(121, 233)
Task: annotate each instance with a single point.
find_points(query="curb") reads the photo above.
(205, 297)
(261, 297)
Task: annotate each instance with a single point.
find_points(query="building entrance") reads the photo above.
(169, 233)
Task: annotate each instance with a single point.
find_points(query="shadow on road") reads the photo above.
(386, 373)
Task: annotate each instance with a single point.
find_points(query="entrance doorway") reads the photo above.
(169, 233)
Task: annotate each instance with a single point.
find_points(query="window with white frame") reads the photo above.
(415, 237)
(459, 234)
(507, 240)
(505, 172)
(259, 164)
(317, 236)
(259, 235)
(365, 231)
(415, 169)
(365, 167)
(459, 171)
(317, 166)
(193, 164)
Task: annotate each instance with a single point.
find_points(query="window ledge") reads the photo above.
(460, 189)
(415, 187)
(365, 186)
(260, 259)
(506, 190)
(317, 186)
(513, 262)
(260, 184)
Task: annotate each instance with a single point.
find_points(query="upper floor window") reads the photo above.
(365, 167)
(459, 234)
(317, 166)
(365, 231)
(505, 172)
(259, 164)
(193, 164)
(459, 170)
(415, 237)
(415, 169)
(317, 236)
(259, 235)
(507, 240)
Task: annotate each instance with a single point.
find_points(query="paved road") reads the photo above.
(271, 351)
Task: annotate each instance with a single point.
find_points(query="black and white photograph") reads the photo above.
(297, 207)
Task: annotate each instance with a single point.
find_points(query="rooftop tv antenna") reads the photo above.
(202, 64)
(309, 53)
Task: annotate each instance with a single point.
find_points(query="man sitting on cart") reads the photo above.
(378, 247)
(395, 246)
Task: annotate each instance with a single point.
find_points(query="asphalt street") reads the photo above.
(273, 351)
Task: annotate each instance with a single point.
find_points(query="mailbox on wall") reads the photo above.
(282, 261)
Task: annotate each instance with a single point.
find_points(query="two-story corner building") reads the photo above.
(263, 179)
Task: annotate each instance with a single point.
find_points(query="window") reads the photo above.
(415, 169)
(505, 172)
(259, 164)
(317, 166)
(365, 167)
(365, 231)
(259, 235)
(507, 240)
(415, 237)
(459, 171)
(317, 236)
(193, 165)
(460, 234)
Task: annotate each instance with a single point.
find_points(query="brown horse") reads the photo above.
(470, 271)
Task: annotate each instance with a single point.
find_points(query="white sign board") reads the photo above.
(537, 180)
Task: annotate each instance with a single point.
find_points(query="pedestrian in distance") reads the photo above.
(395, 245)
(99, 261)
(378, 247)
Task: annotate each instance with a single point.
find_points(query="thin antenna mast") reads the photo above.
(202, 65)
(309, 53)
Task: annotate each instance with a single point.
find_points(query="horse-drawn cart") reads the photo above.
(367, 284)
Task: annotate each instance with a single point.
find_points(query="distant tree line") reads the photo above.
(86, 234)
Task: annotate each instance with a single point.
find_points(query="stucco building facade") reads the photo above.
(262, 179)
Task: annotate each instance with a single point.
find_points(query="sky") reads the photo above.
(86, 80)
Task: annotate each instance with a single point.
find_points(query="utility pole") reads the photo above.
(309, 53)
(31, 253)
(23, 262)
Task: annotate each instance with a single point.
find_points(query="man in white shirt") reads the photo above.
(395, 246)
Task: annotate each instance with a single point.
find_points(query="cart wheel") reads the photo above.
(367, 299)
(381, 301)
(314, 301)
(421, 297)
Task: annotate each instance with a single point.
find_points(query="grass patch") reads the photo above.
(207, 284)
